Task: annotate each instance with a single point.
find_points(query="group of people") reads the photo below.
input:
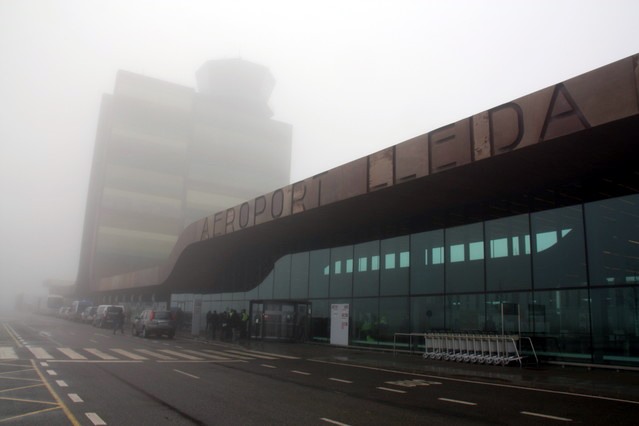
(229, 325)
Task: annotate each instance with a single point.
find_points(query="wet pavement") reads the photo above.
(604, 382)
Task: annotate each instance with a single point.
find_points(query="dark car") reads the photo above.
(152, 322)
(106, 315)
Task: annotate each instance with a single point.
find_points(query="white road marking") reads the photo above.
(52, 373)
(154, 354)
(206, 355)
(333, 422)
(456, 401)
(546, 416)
(242, 353)
(271, 354)
(44, 364)
(477, 382)
(390, 390)
(71, 353)
(186, 374)
(40, 353)
(130, 355)
(99, 353)
(181, 355)
(95, 419)
(62, 383)
(7, 352)
(268, 366)
(304, 373)
(339, 380)
(74, 397)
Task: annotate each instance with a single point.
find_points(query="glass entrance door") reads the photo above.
(280, 320)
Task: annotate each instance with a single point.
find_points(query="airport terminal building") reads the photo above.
(534, 203)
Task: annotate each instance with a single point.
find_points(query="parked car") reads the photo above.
(77, 308)
(152, 322)
(88, 315)
(105, 315)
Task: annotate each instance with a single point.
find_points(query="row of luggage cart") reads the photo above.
(493, 349)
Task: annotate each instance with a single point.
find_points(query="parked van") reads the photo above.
(77, 307)
(106, 314)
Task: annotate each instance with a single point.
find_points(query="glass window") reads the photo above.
(299, 275)
(320, 320)
(465, 312)
(404, 259)
(389, 262)
(349, 266)
(613, 241)
(282, 278)
(318, 278)
(507, 268)
(393, 317)
(365, 318)
(427, 314)
(366, 281)
(465, 270)
(513, 320)
(375, 263)
(615, 323)
(559, 252)
(561, 323)
(427, 275)
(265, 289)
(393, 280)
(341, 285)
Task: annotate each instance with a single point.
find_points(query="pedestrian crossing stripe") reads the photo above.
(180, 355)
(100, 354)
(40, 353)
(7, 352)
(154, 354)
(71, 353)
(86, 354)
(130, 355)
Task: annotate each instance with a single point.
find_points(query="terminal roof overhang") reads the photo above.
(573, 142)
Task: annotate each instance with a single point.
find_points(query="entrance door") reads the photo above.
(280, 320)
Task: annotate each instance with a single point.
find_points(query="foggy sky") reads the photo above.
(352, 77)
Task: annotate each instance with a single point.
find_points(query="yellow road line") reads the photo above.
(11, 333)
(62, 405)
(29, 414)
(21, 387)
(2, 398)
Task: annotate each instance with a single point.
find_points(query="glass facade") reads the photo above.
(573, 272)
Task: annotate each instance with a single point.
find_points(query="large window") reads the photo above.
(395, 267)
(507, 251)
(319, 273)
(282, 279)
(427, 262)
(613, 241)
(559, 258)
(427, 314)
(615, 320)
(341, 271)
(465, 259)
(465, 312)
(366, 278)
(299, 276)
(365, 318)
(562, 323)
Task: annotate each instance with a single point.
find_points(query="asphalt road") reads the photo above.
(58, 372)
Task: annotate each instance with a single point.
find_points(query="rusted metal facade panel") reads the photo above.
(450, 146)
(380, 169)
(343, 182)
(411, 159)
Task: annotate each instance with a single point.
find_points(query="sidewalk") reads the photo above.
(602, 382)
